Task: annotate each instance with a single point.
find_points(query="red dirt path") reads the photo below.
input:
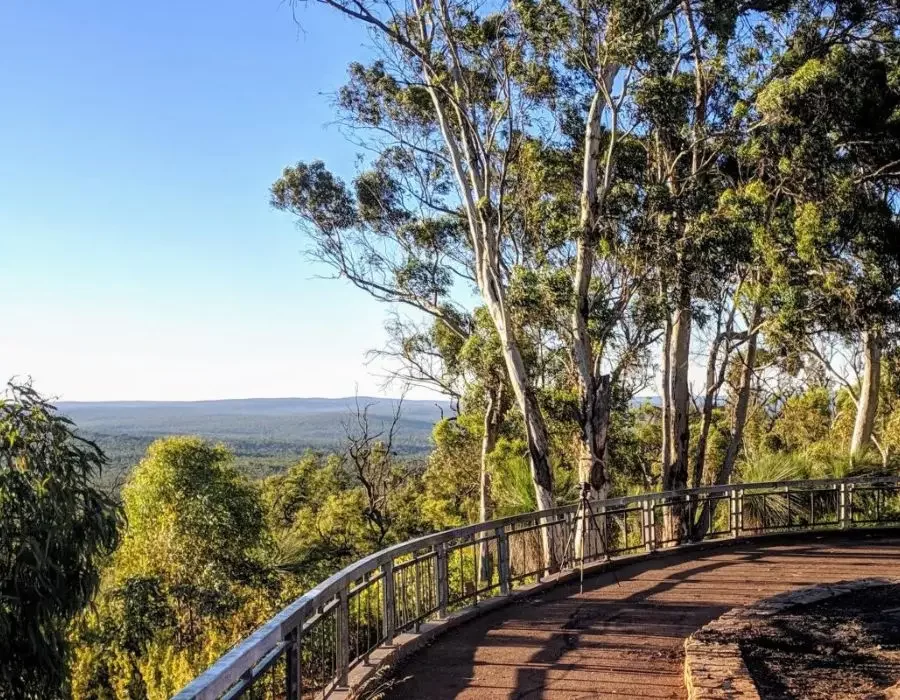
(623, 636)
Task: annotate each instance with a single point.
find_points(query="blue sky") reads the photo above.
(139, 258)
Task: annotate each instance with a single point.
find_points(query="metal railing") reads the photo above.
(309, 648)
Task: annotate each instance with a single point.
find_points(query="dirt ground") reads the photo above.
(844, 647)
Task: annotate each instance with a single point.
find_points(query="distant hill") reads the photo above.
(266, 434)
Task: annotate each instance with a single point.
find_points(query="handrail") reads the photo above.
(512, 551)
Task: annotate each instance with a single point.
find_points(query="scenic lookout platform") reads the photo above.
(624, 635)
(474, 612)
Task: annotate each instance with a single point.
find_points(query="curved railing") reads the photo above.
(310, 648)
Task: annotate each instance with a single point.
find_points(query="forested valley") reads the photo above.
(563, 206)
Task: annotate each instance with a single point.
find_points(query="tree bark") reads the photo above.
(592, 461)
(675, 469)
(867, 405)
(676, 472)
(666, 394)
(535, 431)
(592, 467)
(535, 426)
(493, 419)
(593, 393)
(594, 389)
(709, 403)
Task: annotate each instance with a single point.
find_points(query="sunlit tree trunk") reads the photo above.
(594, 389)
(867, 405)
(592, 460)
(493, 419)
(462, 146)
(713, 383)
(666, 393)
(675, 468)
(676, 472)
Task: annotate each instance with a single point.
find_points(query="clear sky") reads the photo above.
(139, 258)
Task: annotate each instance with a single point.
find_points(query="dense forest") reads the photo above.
(265, 435)
(563, 206)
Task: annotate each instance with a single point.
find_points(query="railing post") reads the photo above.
(602, 530)
(388, 604)
(850, 489)
(293, 682)
(649, 529)
(787, 496)
(734, 499)
(418, 571)
(844, 500)
(687, 522)
(503, 559)
(343, 637)
(441, 581)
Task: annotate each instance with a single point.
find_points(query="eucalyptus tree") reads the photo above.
(598, 52)
(450, 104)
(829, 128)
(699, 72)
(700, 100)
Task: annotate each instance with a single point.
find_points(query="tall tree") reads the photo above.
(56, 527)
(452, 101)
(830, 123)
(189, 579)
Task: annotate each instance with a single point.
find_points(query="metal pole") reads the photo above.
(842, 505)
(585, 491)
(293, 681)
(503, 559)
(388, 604)
(343, 637)
(443, 585)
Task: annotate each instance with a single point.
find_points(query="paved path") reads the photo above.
(623, 636)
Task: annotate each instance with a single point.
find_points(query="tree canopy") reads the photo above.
(56, 528)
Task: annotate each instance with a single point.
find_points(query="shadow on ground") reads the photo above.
(623, 636)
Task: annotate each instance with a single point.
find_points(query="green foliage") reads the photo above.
(748, 155)
(452, 477)
(512, 488)
(806, 419)
(56, 528)
(774, 466)
(173, 596)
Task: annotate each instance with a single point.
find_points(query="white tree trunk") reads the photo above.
(742, 406)
(709, 403)
(676, 474)
(594, 389)
(867, 405)
(675, 470)
(666, 395)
